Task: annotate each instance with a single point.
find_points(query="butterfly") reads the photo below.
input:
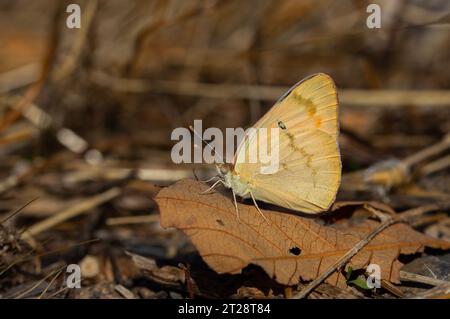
(309, 167)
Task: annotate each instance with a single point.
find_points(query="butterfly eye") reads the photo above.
(223, 169)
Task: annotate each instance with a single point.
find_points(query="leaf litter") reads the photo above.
(290, 247)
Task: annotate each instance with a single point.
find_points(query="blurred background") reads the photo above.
(86, 114)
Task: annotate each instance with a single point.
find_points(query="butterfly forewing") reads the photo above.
(309, 167)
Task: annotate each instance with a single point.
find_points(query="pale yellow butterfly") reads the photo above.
(309, 171)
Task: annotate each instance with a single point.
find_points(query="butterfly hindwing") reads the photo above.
(309, 164)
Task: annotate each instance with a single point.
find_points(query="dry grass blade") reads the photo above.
(408, 276)
(14, 213)
(34, 90)
(18, 77)
(50, 284)
(29, 255)
(27, 291)
(71, 212)
(354, 98)
(70, 63)
(128, 220)
(17, 137)
(56, 293)
(124, 292)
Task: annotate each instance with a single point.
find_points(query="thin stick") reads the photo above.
(70, 63)
(29, 255)
(400, 173)
(16, 262)
(344, 259)
(391, 288)
(71, 212)
(435, 166)
(62, 289)
(428, 152)
(22, 294)
(16, 211)
(17, 137)
(388, 98)
(408, 276)
(19, 77)
(187, 274)
(34, 90)
(50, 284)
(403, 217)
(128, 220)
(124, 292)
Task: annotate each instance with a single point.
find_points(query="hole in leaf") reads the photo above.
(295, 251)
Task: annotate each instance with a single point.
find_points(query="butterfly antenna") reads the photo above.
(195, 174)
(206, 143)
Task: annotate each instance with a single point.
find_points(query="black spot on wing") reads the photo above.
(281, 125)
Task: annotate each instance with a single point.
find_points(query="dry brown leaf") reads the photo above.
(290, 247)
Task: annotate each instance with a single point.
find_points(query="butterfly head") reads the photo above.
(224, 171)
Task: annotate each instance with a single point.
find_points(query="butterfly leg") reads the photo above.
(214, 185)
(209, 180)
(257, 207)
(235, 205)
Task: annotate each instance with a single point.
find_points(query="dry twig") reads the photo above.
(71, 212)
(388, 221)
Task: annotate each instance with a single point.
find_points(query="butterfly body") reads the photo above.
(309, 164)
(233, 181)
